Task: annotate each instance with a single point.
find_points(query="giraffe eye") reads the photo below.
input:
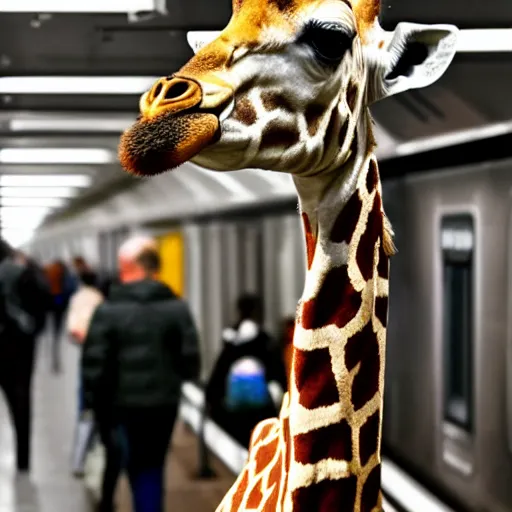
(329, 41)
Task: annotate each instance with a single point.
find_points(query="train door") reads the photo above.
(458, 343)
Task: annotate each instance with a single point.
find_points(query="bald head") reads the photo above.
(138, 258)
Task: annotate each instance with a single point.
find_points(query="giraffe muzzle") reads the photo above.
(172, 128)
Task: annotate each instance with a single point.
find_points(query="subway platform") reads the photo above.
(49, 487)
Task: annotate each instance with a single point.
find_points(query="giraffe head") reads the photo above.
(282, 87)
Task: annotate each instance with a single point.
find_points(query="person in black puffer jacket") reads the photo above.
(141, 344)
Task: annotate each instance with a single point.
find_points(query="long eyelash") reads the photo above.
(328, 25)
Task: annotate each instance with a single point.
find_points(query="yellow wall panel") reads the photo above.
(172, 256)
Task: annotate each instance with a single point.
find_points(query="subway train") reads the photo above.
(448, 399)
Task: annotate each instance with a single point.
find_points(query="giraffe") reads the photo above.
(286, 87)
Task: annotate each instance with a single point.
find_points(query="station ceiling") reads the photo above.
(474, 93)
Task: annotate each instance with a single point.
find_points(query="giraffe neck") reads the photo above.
(339, 343)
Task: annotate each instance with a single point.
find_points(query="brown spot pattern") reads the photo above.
(313, 116)
(354, 145)
(331, 442)
(310, 240)
(329, 131)
(366, 248)
(343, 133)
(271, 504)
(265, 454)
(265, 431)
(336, 303)
(314, 378)
(371, 490)
(245, 112)
(368, 438)
(372, 178)
(352, 91)
(276, 135)
(363, 348)
(255, 495)
(381, 310)
(383, 265)
(346, 222)
(272, 101)
(285, 425)
(326, 496)
(240, 492)
(274, 476)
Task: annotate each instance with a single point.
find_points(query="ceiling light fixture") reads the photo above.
(452, 139)
(76, 84)
(31, 192)
(485, 40)
(45, 180)
(57, 156)
(71, 125)
(89, 6)
(16, 237)
(24, 202)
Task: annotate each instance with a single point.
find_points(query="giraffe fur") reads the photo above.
(286, 87)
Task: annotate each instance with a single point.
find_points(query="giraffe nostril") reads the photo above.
(176, 90)
(157, 90)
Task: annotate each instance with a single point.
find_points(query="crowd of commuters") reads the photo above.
(139, 343)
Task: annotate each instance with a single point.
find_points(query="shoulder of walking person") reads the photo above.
(146, 302)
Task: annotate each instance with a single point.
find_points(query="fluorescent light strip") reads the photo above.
(47, 202)
(408, 493)
(70, 125)
(37, 192)
(485, 40)
(75, 84)
(17, 237)
(44, 180)
(76, 6)
(57, 156)
(451, 139)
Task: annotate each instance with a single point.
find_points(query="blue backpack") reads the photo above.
(247, 385)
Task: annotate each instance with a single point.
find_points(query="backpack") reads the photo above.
(246, 386)
(13, 318)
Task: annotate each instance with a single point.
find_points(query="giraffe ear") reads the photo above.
(413, 56)
(198, 39)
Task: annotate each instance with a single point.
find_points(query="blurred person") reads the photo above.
(82, 306)
(24, 301)
(142, 343)
(80, 266)
(62, 287)
(241, 391)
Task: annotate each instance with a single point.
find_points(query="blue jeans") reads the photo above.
(140, 444)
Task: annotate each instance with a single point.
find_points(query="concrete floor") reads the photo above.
(50, 488)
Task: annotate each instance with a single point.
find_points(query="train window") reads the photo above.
(457, 242)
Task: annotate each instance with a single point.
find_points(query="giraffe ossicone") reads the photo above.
(286, 87)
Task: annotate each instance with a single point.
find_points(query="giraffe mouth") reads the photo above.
(153, 146)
